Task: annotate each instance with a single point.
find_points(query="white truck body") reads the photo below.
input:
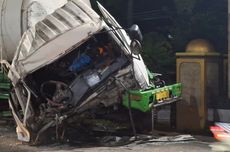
(16, 16)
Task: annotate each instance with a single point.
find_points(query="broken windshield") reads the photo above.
(139, 67)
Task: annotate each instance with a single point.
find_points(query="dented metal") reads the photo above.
(67, 64)
(75, 65)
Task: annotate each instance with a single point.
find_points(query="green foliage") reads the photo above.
(190, 19)
(158, 53)
(185, 6)
(116, 7)
(200, 19)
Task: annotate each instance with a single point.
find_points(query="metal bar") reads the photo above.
(165, 102)
(5, 85)
(27, 106)
(171, 102)
(4, 96)
(152, 118)
(228, 49)
(131, 119)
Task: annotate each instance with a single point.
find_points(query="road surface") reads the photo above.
(9, 143)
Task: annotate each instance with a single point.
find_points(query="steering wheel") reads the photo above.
(57, 92)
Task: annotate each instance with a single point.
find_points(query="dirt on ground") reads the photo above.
(9, 143)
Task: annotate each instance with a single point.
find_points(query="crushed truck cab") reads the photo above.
(74, 61)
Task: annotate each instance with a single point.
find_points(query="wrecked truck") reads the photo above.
(74, 62)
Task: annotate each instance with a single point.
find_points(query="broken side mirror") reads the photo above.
(136, 47)
(135, 33)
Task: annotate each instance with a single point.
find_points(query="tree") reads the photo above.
(116, 8)
(200, 19)
(183, 20)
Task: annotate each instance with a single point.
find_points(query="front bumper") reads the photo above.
(144, 100)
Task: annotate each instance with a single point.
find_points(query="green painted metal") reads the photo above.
(4, 96)
(5, 86)
(143, 99)
(6, 114)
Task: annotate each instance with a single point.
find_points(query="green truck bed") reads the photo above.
(4, 86)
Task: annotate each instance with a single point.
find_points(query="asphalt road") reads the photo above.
(9, 143)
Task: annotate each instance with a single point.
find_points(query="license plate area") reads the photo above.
(162, 95)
